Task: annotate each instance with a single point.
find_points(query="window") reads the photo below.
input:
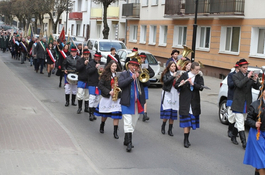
(163, 36)
(77, 29)
(133, 33)
(154, 2)
(143, 34)
(229, 42)
(162, 2)
(152, 35)
(144, 3)
(180, 36)
(257, 45)
(72, 29)
(203, 38)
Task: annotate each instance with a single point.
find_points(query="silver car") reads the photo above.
(154, 64)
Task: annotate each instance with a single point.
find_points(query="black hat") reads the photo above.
(73, 49)
(174, 51)
(237, 64)
(142, 54)
(242, 62)
(97, 54)
(86, 51)
(135, 49)
(133, 61)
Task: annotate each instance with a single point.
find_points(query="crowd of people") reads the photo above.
(117, 92)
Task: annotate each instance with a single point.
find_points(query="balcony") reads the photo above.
(211, 8)
(75, 16)
(96, 13)
(131, 10)
(113, 12)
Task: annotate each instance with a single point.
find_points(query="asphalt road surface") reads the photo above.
(211, 151)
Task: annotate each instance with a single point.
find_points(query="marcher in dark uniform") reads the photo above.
(30, 50)
(94, 91)
(5, 42)
(132, 100)
(170, 98)
(13, 45)
(115, 57)
(107, 107)
(255, 150)
(23, 50)
(51, 58)
(82, 86)
(63, 51)
(244, 82)
(41, 55)
(151, 73)
(189, 100)
(230, 94)
(69, 64)
(17, 52)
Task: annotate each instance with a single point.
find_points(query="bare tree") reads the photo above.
(105, 4)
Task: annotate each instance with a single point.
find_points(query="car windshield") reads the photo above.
(106, 46)
(150, 59)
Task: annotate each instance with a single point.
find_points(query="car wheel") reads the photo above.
(223, 114)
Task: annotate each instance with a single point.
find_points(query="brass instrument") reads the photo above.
(99, 69)
(116, 89)
(181, 63)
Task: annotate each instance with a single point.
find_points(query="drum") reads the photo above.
(72, 78)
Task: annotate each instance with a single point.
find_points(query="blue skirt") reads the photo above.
(113, 115)
(168, 114)
(255, 150)
(146, 92)
(189, 121)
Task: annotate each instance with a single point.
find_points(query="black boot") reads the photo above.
(115, 132)
(186, 144)
(79, 106)
(73, 100)
(243, 139)
(86, 106)
(60, 84)
(126, 139)
(145, 117)
(188, 139)
(101, 128)
(67, 97)
(94, 117)
(129, 146)
(163, 128)
(234, 134)
(170, 130)
(256, 173)
(230, 129)
(91, 118)
(49, 74)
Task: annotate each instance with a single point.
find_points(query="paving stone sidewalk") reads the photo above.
(32, 140)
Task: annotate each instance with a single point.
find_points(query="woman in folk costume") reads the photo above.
(51, 58)
(107, 107)
(170, 97)
(189, 85)
(255, 149)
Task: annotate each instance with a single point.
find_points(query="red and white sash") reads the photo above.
(51, 55)
(113, 58)
(14, 40)
(63, 54)
(30, 52)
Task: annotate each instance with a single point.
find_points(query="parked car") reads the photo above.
(104, 46)
(154, 64)
(222, 96)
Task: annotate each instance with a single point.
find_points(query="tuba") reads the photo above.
(144, 76)
(181, 63)
(116, 89)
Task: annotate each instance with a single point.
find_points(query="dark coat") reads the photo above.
(93, 73)
(124, 82)
(69, 63)
(105, 87)
(118, 58)
(170, 59)
(231, 87)
(189, 98)
(167, 81)
(81, 69)
(41, 53)
(253, 113)
(243, 93)
(30, 46)
(21, 48)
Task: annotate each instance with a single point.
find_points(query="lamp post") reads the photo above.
(194, 32)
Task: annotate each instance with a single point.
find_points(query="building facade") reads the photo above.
(228, 30)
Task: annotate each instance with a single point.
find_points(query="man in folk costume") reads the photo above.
(151, 74)
(174, 57)
(41, 55)
(132, 100)
(244, 81)
(23, 50)
(93, 79)
(82, 86)
(113, 56)
(69, 66)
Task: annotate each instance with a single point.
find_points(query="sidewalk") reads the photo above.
(32, 140)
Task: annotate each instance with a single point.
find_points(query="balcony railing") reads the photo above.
(210, 7)
(75, 16)
(131, 10)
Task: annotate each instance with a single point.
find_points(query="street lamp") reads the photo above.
(194, 32)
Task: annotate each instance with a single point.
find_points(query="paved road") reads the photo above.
(38, 135)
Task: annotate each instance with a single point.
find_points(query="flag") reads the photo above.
(30, 33)
(62, 35)
(50, 39)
